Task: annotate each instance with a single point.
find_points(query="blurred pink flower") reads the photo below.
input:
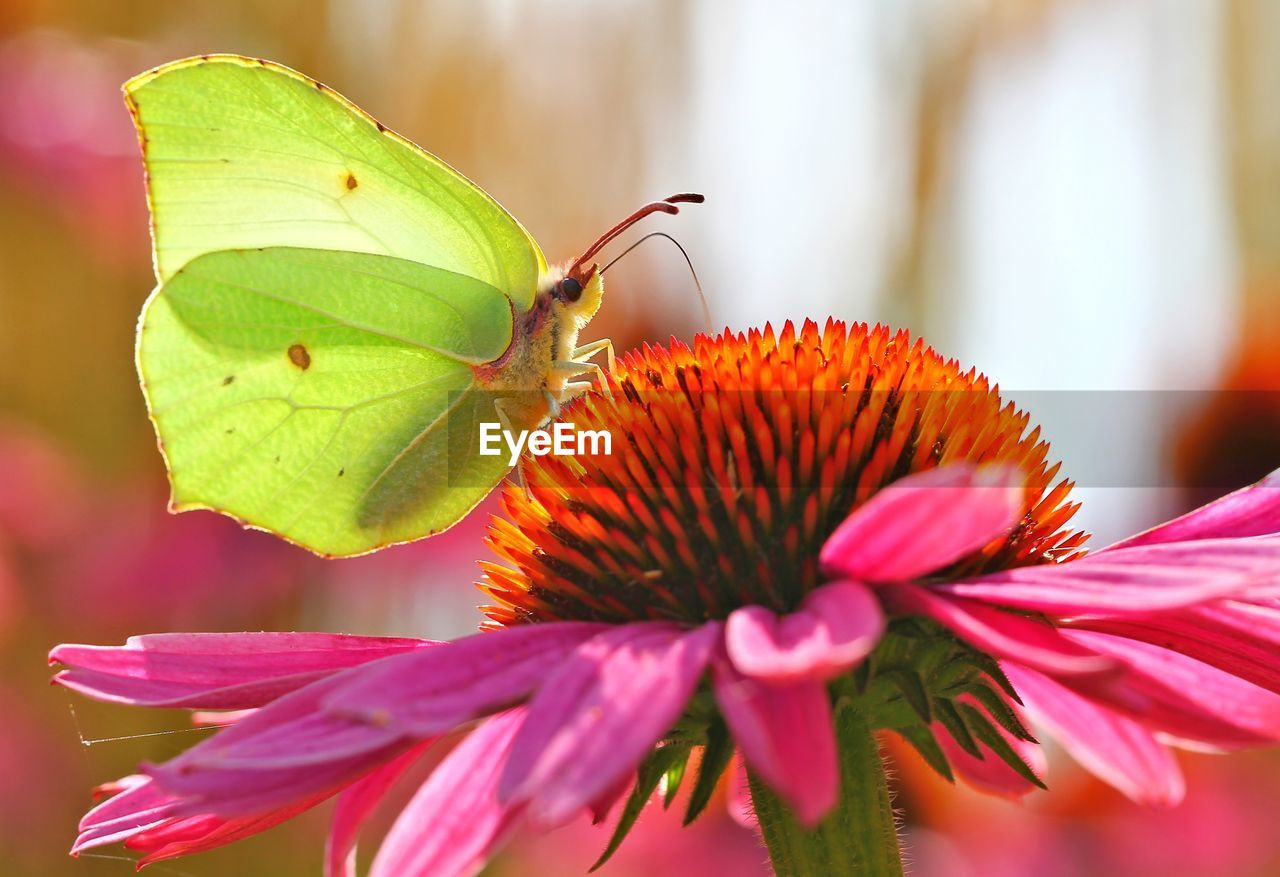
(1224, 827)
(32, 758)
(137, 562)
(571, 708)
(114, 554)
(44, 497)
(42, 505)
(65, 136)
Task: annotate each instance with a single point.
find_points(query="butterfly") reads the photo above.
(338, 311)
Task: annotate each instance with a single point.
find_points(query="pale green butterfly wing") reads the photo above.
(326, 396)
(242, 153)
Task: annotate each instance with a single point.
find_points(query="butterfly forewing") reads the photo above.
(243, 153)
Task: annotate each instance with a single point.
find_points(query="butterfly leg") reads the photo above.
(589, 350)
(553, 404)
(499, 408)
(579, 366)
(574, 389)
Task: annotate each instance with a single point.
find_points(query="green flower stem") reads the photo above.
(858, 837)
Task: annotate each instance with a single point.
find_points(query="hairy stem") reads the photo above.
(858, 837)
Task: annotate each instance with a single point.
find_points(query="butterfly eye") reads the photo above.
(570, 289)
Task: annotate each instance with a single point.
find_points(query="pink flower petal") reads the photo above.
(596, 718)
(785, 734)
(1181, 696)
(281, 753)
(924, 522)
(140, 806)
(1133, 580)
(356, 803)
(999, 633)
(1114, 748)
(215, 671)
(834, 629)
(433, 690)
(455, 822)
(335, 730)
(141, 817)
(311, 740)
(1241, 638)
(1251, 511)
(198, 834)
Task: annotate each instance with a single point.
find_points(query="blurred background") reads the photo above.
(1072, 195)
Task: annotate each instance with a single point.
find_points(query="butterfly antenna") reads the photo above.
(666, 205)
(702, 298)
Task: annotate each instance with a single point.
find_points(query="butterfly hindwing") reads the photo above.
(326, 396)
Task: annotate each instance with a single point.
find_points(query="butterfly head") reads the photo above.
(579, 293)
(582, 286)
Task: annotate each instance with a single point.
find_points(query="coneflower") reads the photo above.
(799, 540)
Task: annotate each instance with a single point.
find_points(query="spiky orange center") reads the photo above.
(735, 459)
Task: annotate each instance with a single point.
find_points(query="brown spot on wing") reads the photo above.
(351, 181)
(228, 379)
(299, 356)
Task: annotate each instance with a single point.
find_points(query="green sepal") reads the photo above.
(671, 780)
(923, 742)
(715, 758)
(991, 667)
(951, 719)
(913, 692)
(934, 656)
(651, 772)
(862, 675)
(1000, 711)
(992, 739)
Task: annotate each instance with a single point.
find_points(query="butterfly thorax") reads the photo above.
(545, 334)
